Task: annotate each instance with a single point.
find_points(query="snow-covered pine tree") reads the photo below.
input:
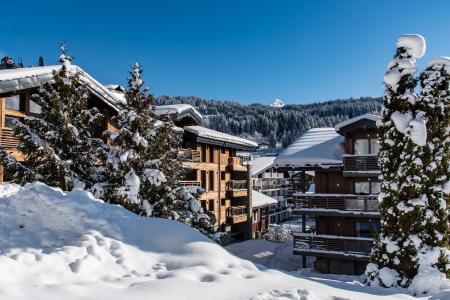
(144, 166)
(411, 198)
(58, 146)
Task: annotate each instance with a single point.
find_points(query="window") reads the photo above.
(223, 150)
(361, 146)
(222, 175)
(374, 146)
(222, 202)
(35, 108)
(211, 205)
(9, 121)
(211, 181)
(366, 146)
(366, 229)
(203, 153)
(367, 187)
(203, 180)
(14, 102)
(211, 154)
(203, 204)
(375, 187)
(362, 187)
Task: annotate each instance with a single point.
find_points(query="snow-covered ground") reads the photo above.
(56, 245)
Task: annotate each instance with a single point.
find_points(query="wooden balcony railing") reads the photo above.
(335, 245)
(234, 161)
(189, 183)
(367, 203)
(7, 139)
(191, 155)
(237, 185)
(361, 162)
(236, 211)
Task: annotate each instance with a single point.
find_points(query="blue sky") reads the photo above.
(248, 51)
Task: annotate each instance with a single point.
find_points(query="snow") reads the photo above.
(317, 147)
(418, 132)
(414, 43)
(273, 255)
(260, 164)
(440, 62)
(370, 117)
(414, 127)
(401, 120)
(180, 110)
(278, 103)
(220, 136)
(56, 245)
(388, 276)
(13, 80)
(259, 199)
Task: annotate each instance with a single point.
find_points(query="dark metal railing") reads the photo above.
(361, 162)
(335, 201)
(346, 245)
(237, 185)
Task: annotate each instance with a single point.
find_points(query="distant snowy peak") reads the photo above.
(277, 103)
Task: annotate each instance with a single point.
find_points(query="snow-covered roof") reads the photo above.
(219, 138)
(13, 80)
(369, 117)
(262, 163)
(321, 147)
(259, 199)
(179, 111)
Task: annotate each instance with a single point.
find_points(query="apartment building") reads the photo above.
(216, 167)
(344, 204)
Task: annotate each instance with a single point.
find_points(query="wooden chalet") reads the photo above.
(16, 87)
(217, 169)
(344, 204)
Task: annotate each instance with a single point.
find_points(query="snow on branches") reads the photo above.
(412, 248)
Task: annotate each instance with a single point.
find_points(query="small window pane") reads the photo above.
(10, 120)
(35, 108)
(361, 146)
(374, 146)
(362, 187)
(375, 187)
(13, 102)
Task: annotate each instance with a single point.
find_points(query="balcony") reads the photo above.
(360, 165)
(236, 164)
(7, 139)
(358, 248)
(191, 155)
(190, 183)
(336, 204)
(237, 214)
(238, 188)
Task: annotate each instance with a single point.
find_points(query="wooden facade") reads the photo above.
(225, 180)
(344, 205)
(18, 104)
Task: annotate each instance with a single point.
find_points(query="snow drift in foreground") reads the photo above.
(56, 245)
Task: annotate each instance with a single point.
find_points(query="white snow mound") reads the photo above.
(415, 43)
(56, 245)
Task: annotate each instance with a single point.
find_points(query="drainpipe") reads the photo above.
(249, 205)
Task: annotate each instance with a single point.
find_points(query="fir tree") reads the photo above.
(144, 166)
(58, 146)
(414, 167)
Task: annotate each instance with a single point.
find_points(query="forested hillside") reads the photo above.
(275, 125)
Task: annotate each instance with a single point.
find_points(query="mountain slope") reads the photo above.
(275, 125)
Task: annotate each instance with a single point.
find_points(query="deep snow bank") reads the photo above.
(56, 245)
